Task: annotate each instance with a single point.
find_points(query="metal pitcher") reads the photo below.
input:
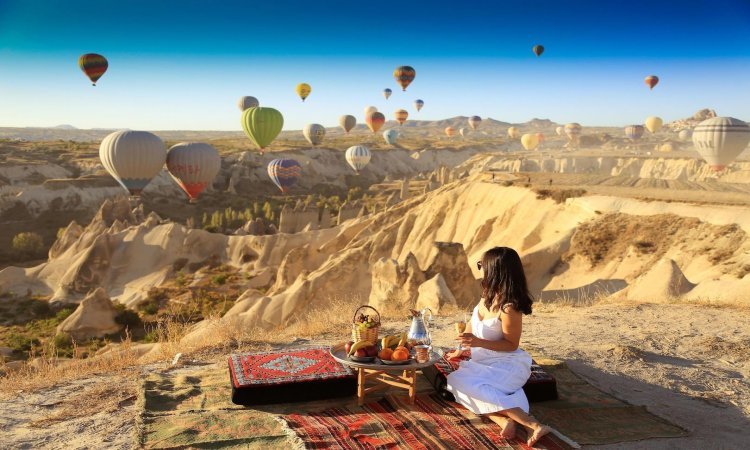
(419, 332)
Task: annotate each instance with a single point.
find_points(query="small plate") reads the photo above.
(396, 363)
(363, 359)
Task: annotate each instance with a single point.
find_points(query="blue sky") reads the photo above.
(182, 65)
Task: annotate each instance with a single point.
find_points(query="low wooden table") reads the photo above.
(382, 374)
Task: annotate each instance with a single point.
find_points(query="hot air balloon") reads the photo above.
(651, 81)
(262, 125)
(401, 115)
(529, 141)
(375, 121)
(634, 132)
(573, 131)
(540, 137)
(347, 122)
(193, 165)
(93, 65)
(559, 131)
(513, 133)
(653, 124)
(303, 90)
(314, 133)
(418, 104)
(720, 140)
(390, 136)
(284, 173)
(247, 102)
(684, 135)
(667, 147)
(387, 93)
(463, 132)
(370, 109)
(133, 158)
(404, 75)
(474, 122)
(358, 157)
(538, 50)
(450, 131)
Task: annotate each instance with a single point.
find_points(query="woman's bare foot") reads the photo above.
(507, 426)
(538, 431)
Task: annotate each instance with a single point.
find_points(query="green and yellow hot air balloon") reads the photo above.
(262, 125)
(303, 90)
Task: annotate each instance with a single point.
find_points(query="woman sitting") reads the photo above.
(491, 382)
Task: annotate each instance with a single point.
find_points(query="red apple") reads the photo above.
(372, 350)
(361, 353)
(348, 346)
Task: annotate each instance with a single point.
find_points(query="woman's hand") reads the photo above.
(455, 354)
(469, 340)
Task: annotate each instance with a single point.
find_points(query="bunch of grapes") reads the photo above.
(366, 321)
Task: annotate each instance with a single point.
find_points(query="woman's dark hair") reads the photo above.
(504, 282)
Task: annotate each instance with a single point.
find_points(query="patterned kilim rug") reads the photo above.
(192, 408)
(393, 423)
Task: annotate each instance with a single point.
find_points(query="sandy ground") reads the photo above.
(687, 363)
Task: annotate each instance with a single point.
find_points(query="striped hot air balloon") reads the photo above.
(684, 135)
(720, 140)
(463, 131)
(474, 122)
(262, 125)
(314, 133)
(284, 173)
(246, 102)
(404, 75)
(450, 131)
(93, 65)
(634, 132)
(651, 81)
(375, 121)
(193, 165)
(133, 158)
(358, 156)
(418, 104)
(401, 115)
(347, 122)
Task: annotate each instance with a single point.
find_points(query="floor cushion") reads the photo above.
(291, 375)
(541, 386)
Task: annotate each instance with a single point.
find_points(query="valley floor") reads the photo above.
(689, 364)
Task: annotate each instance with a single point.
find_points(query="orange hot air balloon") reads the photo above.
(401, 115)
(651, 81)
(404, 75)
(450, 131)
(375, 121)
(93, 65)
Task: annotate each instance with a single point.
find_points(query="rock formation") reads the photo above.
(94, 318)
(662, 282)
(434, 294)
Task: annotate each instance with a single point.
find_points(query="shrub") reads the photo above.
(28, 244)
(219, 280)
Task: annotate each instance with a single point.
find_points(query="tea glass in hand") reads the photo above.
(461, 328)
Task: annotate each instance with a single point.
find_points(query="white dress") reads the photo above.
(491, 381)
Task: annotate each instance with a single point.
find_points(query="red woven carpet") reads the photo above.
(392, 423)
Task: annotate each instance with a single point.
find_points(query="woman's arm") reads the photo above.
(512, 322)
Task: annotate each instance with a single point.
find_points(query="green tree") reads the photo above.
(28, 244)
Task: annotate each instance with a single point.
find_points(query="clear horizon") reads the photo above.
(184, 66)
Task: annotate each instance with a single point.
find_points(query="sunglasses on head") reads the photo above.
(479, 265)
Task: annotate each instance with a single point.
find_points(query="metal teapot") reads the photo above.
(419, 332)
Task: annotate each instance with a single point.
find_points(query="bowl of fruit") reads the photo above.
(361, 351)
(394, 350)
